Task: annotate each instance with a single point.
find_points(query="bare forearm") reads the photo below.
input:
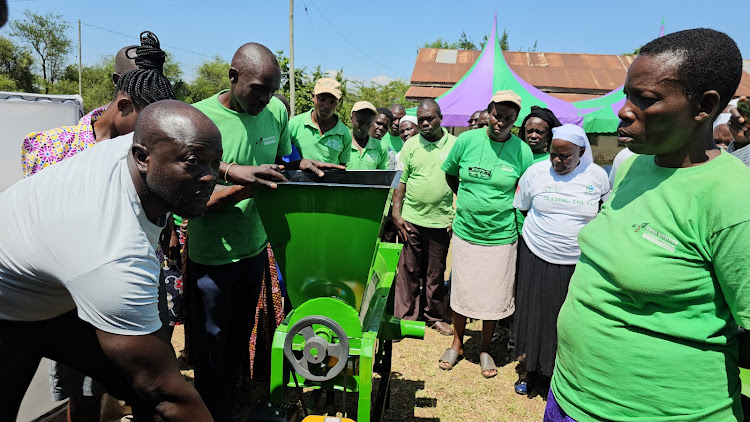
(151, 366)
(398, 198)
(223, 196)
(452, 183)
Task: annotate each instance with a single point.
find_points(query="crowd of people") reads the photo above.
(623, 293)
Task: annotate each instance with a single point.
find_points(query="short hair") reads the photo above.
(429, 103)
(146, 84)
(386, 112)
(709, 60)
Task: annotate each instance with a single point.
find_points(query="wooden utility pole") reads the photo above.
(291, 58)
(80, 66)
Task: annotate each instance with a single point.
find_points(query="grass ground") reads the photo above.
(420, 391)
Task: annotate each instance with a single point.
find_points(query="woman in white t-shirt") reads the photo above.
(559, 196)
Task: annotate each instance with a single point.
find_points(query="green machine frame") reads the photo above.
(325, 235)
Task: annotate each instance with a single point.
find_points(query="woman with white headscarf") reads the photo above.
(559, 196)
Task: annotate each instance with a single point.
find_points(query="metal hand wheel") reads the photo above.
(317, 349)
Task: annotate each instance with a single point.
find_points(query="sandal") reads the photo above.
(449, 358)
(486, 364)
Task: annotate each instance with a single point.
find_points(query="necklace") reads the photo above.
(482, 173)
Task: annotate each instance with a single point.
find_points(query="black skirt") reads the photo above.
(541, 288)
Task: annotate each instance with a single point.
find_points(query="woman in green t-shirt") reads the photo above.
(483, 169)
(648, 330)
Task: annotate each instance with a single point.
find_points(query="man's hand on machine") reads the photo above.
(314, 166)
(263, 175)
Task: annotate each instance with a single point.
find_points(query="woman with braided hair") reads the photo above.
(135, 90)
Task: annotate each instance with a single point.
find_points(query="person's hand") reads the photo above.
(739, 125)
(262, 175)
(315, 166)
(401, 227)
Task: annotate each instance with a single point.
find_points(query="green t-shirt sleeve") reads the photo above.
(404, 157)
(527, 158)
(285, 144)
(451, 164)
(346, 154)
(729, 257)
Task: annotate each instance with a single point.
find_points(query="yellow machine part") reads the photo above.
(313, 418)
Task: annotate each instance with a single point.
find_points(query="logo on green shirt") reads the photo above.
(656, 237)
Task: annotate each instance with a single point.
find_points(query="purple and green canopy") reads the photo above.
(600, 114)
(489, 74)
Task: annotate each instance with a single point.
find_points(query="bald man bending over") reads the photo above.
(103, 227)
(228, 245)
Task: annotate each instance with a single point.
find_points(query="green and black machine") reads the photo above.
(339, 276)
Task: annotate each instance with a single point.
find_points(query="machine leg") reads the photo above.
(364, 404)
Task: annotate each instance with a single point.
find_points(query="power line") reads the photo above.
(354, 45)
(130, 36)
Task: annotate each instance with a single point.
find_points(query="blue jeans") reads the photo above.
(223, 299)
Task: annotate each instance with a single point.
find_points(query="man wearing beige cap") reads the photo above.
(367, 153)
(422, 214)
(319, 134)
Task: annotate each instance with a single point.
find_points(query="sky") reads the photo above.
(374, 41)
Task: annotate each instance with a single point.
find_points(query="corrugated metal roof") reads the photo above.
(551, 72)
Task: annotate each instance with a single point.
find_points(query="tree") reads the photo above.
(212, 77)
(385, 95)
(304, 84)
(439, 43)
(504, 45)
(47, 36)
(15, 67)
(464, 43)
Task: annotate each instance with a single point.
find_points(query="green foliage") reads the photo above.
(385, 95)
(465, 43)
(504, 45)
(15, 67)
(304, 84)
(212, 77)
(440, 43)
(46, 34)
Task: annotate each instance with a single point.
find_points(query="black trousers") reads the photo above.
(223, 299)
(66, 339)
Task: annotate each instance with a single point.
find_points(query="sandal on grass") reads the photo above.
(449, 359)
(486, 364)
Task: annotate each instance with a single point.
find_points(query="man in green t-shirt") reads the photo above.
(319, 134)
(392, 139)
(367, 152)
(422, 213)
(228, 243)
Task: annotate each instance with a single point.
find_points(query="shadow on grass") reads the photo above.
(404, 400)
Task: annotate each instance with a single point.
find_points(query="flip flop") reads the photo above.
(486, 363)
(450, 357)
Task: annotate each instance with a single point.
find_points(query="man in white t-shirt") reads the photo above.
(77, 261)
